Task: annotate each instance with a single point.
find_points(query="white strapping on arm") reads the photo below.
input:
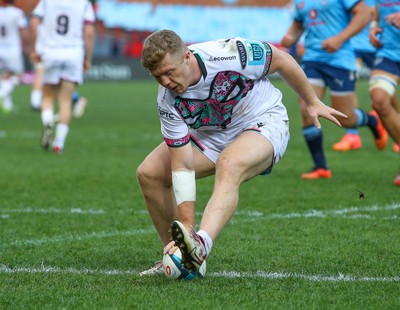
(374, 24)
(184, 186)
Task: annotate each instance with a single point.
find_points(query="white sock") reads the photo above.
(61, 135)
(36, 98)
(6, 87)
(47, 117)
(14, 80)
(208, 243)
(7, 103)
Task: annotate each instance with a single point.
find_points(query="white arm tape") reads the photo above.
(184, 186)
(374, 24)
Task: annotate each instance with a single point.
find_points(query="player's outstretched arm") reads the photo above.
(291, 72)
(89, 34)
(293, 35)
(362, 15)
(33, 55)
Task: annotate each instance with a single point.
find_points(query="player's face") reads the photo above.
(173, 73)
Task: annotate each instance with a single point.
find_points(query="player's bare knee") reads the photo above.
(144, 175)
(381, 103)
(227, 166)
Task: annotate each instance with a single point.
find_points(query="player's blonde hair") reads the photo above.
(159, 44)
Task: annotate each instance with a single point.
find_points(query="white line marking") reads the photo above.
(54, 210)
(69, 238)
(224, 274)
(253, 216)
(256, 215)
(315, 278)
(252, 213)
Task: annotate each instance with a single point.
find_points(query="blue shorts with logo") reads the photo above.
(367, 58)
(387, 65)
(337, 79)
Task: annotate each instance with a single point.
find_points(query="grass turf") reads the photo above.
(75, 232)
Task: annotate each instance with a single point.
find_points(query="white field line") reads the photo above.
(54, 211)
(224, 274)
(250, 217)
(353, 211)
(71, 237)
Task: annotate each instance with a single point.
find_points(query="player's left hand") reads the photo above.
(393, 19)
(332, 44)
(322, 110)
(86, 65)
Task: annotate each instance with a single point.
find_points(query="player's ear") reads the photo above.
(187, 56)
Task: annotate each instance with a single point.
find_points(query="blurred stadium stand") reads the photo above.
(198, 21)
(123, 25)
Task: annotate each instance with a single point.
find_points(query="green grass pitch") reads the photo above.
(75, 231)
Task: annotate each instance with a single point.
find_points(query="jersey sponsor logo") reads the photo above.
(242, 54)
(226, 90)
(222, 58)
(165, 114)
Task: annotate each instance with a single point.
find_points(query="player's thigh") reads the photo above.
(67, 89)
(203, 165)
(157, 165)
(249, 155)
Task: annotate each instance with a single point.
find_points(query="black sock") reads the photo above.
(314, 140)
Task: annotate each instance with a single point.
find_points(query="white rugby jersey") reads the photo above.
(12, 19)
(234, 89)
(62, 22)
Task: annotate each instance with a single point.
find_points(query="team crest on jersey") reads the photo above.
(226, 90)
(255, 53)
(313, 13)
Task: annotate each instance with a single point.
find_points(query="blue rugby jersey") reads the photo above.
(323, 19)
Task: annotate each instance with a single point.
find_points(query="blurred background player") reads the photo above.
(78, 102)
(365, 56)
(68, 35)
(329, 61)
(385, 73)
(13, 40)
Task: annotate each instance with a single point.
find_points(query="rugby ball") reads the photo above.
(174, 270)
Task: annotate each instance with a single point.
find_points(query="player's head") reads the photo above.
(167, 58)
(158, 45)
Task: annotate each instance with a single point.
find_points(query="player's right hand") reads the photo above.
(374, 33)
(288, 40)
(170, 248)
(34, 57)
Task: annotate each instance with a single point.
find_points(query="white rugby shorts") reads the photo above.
(64, 65)
(273, 127)
(11, 62)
